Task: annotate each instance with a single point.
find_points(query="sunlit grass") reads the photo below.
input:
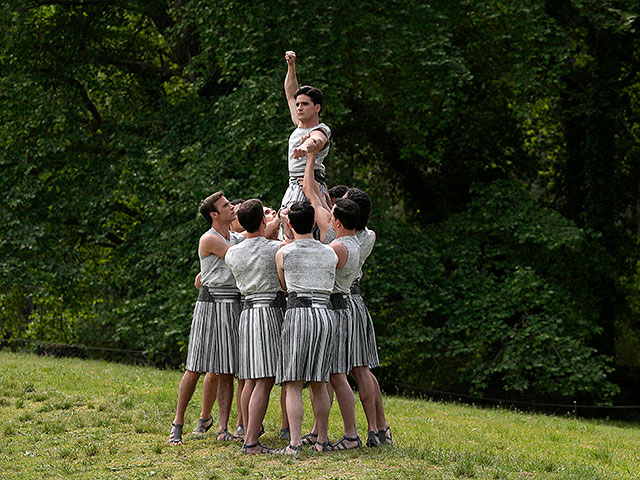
(77, 419)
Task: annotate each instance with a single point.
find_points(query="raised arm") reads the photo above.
(291, 85)
(312, 192)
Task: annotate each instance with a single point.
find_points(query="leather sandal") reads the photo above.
(288, 450)
(226, 436)
(341, 444)
(175, 435)
(263, 449)
(310, 438)
(372, 439)
(324, 447)
(385, 436)
(201, 428)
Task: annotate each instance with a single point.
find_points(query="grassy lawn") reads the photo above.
(79, 419)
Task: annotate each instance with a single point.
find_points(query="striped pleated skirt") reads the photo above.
(343, 331)
(363, 348)
(307, 344)
(259, 338)
(294, 193)
(213, 340)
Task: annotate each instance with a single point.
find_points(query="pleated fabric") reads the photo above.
(307, 345)
(294, 193)
(363, 347)
(343, 333)
(259, 335)
(213, 340)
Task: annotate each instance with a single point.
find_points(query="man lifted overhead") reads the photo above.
(310, 135)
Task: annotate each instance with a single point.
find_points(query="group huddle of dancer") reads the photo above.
(279, 302)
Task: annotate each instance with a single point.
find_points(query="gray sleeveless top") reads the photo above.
(309, 266)
(330, 236)
(253, 263)
(296, 165)
(213, 271)
(367, 238)
(349, 272)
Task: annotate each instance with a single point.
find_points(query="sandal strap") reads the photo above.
(384, 435)
(226, 436)
(340, 444)
(200, 426)
(308, 439)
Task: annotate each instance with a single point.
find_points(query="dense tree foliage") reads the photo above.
(499, 141)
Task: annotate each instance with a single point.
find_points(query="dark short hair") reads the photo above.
(315, 94)
(250, 214)
(364, 203)
(338, 191)
(347, 211)
(236, 201)
(301, 217)
(207, 205)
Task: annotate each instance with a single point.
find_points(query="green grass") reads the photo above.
(78, 419)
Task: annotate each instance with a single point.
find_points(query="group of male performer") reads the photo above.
(280, 302)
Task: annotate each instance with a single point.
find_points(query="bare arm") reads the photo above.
(316, 142)
(341, 252)
(271, 230)
(312, 192)
(291, 85)
(213, 245)
(280, 269)
(198, 281)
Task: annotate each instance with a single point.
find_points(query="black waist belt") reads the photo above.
(317, 174)
(308, 300)
(355, 288)
(338, 302)
(279, 301)
(219, 295)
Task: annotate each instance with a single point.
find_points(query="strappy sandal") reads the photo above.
(263, 449)
(324, 447)
(310, 439)
(201, 428)
(372, 439)
(175, 435)
(385, 436)
(226, 436)
(285, 434)
(341, 444)
(288, 450)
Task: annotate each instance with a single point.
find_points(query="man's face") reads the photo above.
(226, 211)
(305, 108)
(269, 213)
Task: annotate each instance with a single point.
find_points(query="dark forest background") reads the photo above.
(498, 140)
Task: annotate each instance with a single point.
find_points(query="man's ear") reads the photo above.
(318, 107)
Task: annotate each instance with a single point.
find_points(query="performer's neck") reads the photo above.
(306, 236)
(310, 123)
(256, 234)
(222, 228)
(342, 232)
